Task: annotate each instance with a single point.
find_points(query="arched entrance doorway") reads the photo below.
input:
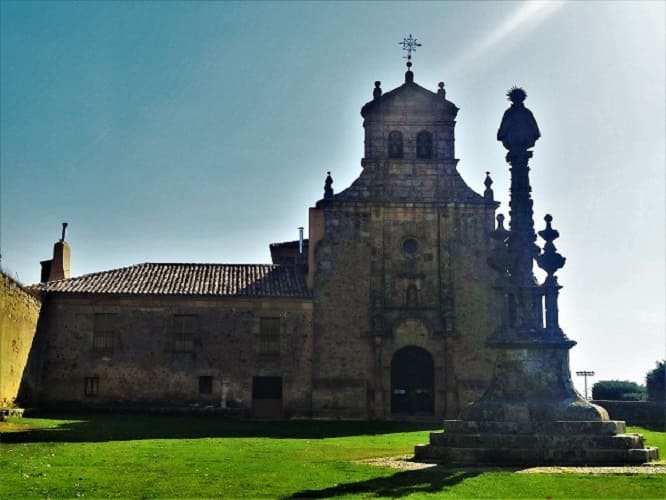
(412, 382)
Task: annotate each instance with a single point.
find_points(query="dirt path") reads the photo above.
(404, 462)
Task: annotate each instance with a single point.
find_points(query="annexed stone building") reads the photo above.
(381, 313)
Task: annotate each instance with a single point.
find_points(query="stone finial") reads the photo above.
(64, 230)
(549, 260)
(500, 259)
(500, 233)
(488, 194)
(441, 92)
(328, 187)
(377, 92)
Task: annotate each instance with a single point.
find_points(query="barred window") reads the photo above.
(269, 337)
(184, 327)
(91, 386)
(104, 328)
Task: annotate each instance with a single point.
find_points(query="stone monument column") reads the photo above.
(531, 412)
(532, 382)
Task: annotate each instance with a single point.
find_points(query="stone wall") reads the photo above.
(19, 311)
(343, 345)
(144, 362)
(651, 413)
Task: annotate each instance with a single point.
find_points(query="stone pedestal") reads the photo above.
(549, 443)
(531, 385)
(532, 415)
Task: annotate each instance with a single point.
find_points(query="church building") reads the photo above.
(382, 312)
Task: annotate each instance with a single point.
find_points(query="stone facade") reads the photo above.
(398, 261)
(391, 320)
(19, 311)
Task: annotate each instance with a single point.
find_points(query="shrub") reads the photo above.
(618, 390)
(654, 381)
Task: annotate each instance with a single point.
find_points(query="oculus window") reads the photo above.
(410, 247)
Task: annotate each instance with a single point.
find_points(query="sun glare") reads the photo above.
(525, 18)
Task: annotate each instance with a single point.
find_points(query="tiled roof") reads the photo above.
(288, 244)
(254, 280)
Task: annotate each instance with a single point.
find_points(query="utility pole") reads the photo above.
(585, 374)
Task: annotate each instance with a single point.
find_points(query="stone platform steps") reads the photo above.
(617, 442)
(553, 443)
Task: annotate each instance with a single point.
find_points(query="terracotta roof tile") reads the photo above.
(254, 280)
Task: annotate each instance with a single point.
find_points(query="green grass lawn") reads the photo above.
(171, 456)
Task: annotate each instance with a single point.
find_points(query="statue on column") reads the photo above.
(518, 130)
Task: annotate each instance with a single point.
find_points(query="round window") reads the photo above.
(410, 247)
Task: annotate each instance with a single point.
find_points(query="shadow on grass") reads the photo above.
(99, 428)
(400, 484)
(652, 427)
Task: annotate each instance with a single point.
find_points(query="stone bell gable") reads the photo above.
(409, 149)
(409, 109)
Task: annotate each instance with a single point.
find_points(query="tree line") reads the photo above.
(625, 390)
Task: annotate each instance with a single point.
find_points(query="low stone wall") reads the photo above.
(651, 413)
(19, 311)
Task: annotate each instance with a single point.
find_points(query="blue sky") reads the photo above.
(201, 132)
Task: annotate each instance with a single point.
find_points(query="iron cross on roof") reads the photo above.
(409, 45)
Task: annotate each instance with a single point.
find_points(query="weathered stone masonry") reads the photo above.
(142, 367)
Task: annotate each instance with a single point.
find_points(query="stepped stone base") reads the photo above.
(547, 443)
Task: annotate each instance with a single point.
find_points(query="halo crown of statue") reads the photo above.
(516, 94)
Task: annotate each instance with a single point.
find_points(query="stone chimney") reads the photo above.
(57, 268)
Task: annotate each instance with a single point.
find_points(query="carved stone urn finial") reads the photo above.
(550, 261)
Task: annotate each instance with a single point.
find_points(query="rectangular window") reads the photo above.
(205, 384)
(184, 327)
(269, 337)
(103, 332)
(266, 388)
(91, 386)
